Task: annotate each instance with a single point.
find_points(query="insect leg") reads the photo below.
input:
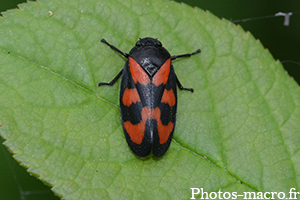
(181, 87)
(115, 48)
(113, 81)
(180, 56)
(185, 55)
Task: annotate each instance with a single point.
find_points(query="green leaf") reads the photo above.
(239, 131)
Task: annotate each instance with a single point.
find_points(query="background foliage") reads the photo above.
(38, 190)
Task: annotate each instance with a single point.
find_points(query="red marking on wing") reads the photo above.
(130, 96)
(164, 131)
(137, 72)
(168, 97)
(136, 132)
(162, 75)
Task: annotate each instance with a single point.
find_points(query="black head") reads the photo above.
(148, 41)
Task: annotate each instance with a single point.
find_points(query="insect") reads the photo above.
(148, 96)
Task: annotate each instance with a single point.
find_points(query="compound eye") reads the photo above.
(158, 43)
(138, 43)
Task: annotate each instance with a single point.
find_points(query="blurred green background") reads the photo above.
(254, 16)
